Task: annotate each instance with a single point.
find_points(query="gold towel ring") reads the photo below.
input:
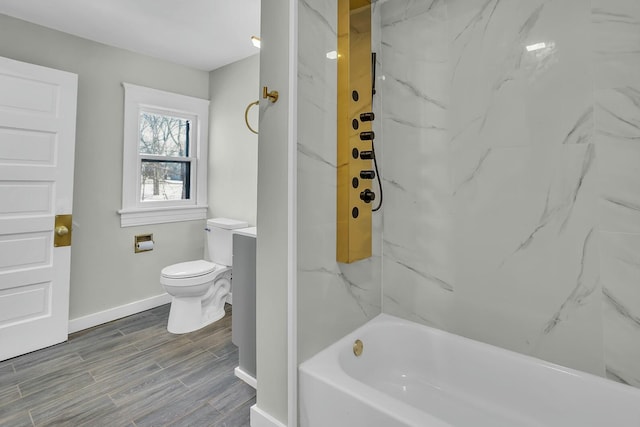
(246, 115)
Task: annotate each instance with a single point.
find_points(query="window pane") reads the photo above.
(163, 135)
(165, 180)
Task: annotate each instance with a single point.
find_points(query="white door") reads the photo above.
(37, 141)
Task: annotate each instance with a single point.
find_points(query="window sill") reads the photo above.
(161, 215)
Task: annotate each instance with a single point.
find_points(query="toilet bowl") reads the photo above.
(199, 288)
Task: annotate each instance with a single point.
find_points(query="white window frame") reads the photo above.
(135, 212)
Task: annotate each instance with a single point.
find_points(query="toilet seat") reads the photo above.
(191, 273)
(188, 269)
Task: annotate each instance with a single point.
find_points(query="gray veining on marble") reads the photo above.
(508, 137)
(502, 205)
(616, 45)
(620, 262)
(333, 298)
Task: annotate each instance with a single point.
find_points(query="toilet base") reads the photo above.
(186, 315)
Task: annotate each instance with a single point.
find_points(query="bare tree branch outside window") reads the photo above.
(168, 137)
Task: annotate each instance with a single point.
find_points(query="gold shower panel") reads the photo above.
(355, 174)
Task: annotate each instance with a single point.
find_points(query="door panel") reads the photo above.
(28, 94)
(24, 251)
(27, 147)
(27, 198)
(26, 303)
(37, 139)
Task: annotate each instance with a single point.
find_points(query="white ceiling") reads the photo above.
(203, 34)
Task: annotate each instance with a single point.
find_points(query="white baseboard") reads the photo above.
(115, 313)
(260, 418)
(247, 378)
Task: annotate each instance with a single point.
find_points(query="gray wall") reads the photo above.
(233, 149)
(105, 272)
(272, 249)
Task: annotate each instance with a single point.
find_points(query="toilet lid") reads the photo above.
(184, 270)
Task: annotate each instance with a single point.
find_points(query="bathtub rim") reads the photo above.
(385, 318)
(325, 367)
(331, 374)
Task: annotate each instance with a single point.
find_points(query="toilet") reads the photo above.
(199, 288)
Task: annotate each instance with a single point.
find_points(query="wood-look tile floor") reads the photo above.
(130, 372)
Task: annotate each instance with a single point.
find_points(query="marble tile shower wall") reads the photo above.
(524, 179)
(512, 204)
(512, 210)
(333, 299)
(415, 95)
(616, 45)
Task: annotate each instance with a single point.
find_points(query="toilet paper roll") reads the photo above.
(145, 246)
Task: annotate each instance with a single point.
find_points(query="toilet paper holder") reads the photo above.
(143, 243)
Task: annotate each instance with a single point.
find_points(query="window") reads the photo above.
(165, 157)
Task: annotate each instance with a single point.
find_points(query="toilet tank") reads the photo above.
(220, 239)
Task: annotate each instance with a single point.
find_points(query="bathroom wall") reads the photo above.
(105, 272)
(333, 298)
(233, 149)
(615, 40)
(511, 213)
(524, 181)
(274, 257)
(414, 91)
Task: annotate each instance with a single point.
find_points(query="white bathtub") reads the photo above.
(413, 375)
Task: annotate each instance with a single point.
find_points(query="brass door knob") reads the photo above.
(62, 231)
